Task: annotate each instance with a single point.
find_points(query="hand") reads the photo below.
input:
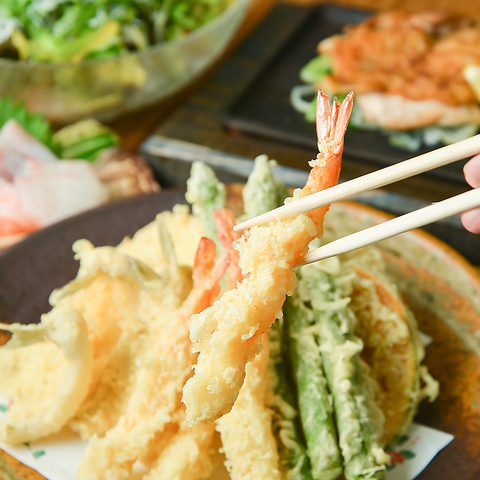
(471, 219)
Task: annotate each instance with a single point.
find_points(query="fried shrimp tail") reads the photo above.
(228, 334)
(331, 127)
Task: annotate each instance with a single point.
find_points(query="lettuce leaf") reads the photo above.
(35, 124)
(316, 68)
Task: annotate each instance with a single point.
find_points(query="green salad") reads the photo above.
(57, 31)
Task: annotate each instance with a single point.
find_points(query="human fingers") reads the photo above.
(472, 171)
(471, 220)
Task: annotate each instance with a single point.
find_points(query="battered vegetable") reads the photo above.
(262, 192)
(294, 460)
(26, 419)
(314, 400)
(392, 347)
(205, 194)
(363, 458)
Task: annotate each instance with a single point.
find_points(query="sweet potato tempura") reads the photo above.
(228, 334)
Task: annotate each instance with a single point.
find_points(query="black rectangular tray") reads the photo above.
(263, 108)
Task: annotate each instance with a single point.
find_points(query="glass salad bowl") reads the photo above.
(110, 87)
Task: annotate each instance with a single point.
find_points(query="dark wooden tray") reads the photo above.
(263, 108)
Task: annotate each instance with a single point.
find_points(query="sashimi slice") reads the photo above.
(52, 191)
(16, 146)
(37, 189)
(13, 218)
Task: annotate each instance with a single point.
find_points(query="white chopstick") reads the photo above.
(400, 171)
(418, 218)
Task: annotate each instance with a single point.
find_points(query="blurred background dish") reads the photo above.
(108, 87)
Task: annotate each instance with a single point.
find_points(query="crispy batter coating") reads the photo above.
(124, 354)
(392, 348)
(420, 56)
(228, 334)
(121, 299)
(43, 403)
(145, 380)
(246, 431)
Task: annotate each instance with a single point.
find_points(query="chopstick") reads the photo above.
(400, 171)
(446, 208)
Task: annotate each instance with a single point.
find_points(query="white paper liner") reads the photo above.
(58, 456)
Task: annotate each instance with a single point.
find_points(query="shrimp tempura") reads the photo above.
(228, 334)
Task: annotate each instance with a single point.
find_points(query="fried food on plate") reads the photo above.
(58, 351)
(168, 314)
